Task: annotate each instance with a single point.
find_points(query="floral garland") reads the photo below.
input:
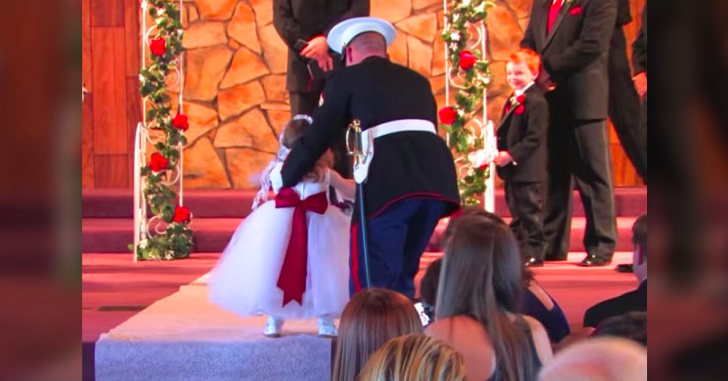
(165, 47)
(474, 73)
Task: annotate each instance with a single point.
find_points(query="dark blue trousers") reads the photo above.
(397, 238)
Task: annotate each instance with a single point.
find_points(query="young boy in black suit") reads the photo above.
(521, 158)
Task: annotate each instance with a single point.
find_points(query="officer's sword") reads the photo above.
(359, 157)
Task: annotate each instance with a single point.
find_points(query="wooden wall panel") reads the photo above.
(86, 44)
(110, 129)
(112, 171)
(87, 142)
(107, 12)
(132, 32)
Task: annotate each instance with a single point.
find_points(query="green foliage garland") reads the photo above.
(165, 48)
(475, 74)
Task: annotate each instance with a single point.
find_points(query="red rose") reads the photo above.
(467, 60)
(157, 46)
(448, 115)
(519, 110)
(158, 162)
(520, 98)
(181, 214)
(180, 122)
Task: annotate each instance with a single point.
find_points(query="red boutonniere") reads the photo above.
(448, 115)
(518, 103)
(181, 214)
(575, 11)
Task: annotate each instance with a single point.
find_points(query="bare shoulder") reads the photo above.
(447, 327)
(540, 339)
(469, 338)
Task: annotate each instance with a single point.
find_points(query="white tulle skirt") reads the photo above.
(244, 279)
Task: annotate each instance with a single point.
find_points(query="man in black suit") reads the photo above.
(303, 26)
(639, 62)
(411, 181)
(624, 103)
(633, 301)
(572, 37)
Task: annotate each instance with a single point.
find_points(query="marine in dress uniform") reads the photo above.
(411, 181)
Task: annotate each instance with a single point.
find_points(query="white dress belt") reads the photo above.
(401, 125)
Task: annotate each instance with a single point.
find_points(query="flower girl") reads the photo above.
(289, 258)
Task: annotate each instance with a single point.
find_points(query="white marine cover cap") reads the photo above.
(342, 33)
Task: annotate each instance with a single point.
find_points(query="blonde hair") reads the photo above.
(414, 357)
(370, 319)
(292, 131)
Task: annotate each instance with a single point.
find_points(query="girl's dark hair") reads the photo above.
(475, 211)
(292, 131)
(481, 277)
(370, 319)
(429, 282)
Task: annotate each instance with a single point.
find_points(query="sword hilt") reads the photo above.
(355, 149)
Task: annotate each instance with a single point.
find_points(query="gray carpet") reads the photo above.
(185, 338)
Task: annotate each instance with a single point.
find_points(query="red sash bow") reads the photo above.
(292, 278)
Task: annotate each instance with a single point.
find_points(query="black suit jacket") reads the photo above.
(624, 13)
(524, 137)
(405, 164)
(639, 46)
(304, 20)
(633, 301)
(575, 53)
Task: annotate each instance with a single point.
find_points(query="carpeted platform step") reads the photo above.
(118, 203)
(106, 235)
(184, 337)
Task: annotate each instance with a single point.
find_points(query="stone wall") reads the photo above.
(234, 74)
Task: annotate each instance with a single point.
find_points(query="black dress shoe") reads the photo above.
(625, 268)
(590, 261)
(533, 262)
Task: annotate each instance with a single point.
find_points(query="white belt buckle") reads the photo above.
(361, 165)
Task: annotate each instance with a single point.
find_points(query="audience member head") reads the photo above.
(429, 282)
(414, 357)
(472, 211)
(370, 319)
(365, 45)
(598, 359)
(632, 325)
(522, 68)
(481, 278)
(527, 274)
(639, 241)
